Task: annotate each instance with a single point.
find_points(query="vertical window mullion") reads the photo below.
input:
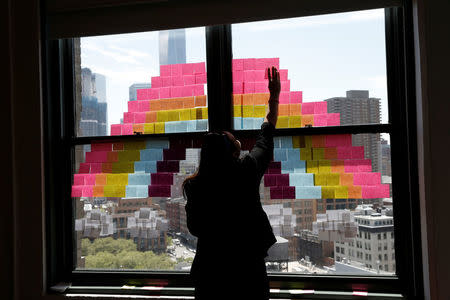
(218, 57)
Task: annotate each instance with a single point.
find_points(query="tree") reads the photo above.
(108, 245)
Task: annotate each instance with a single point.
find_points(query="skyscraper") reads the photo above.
(358, 108)
(93, 120)
(172, 47)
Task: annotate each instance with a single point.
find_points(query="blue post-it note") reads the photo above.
(151, 154)
(142, 191)
(237, 123)
(130, 191)
(157, 144)
(139, 179)
(279, 154)
(301, 179)
(247, 123)
(308, 192)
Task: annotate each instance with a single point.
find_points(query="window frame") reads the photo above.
(60, 138)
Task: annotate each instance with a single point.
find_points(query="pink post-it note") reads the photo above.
(249, 64)
(128, 117)
(259, 75)
(285, 86)
(238, 64)
(358, 152)
(296, 97)
(260, 64)
(176, 70)
(164, 70)
(249, 76)
(89, 179)
(189, 79)
(308, 108)
(176, 91)
(156, 82)
(141, 94)
(283, 75)
(177, 81)
(334, 119)
(139, 117)
(166, 81)
(77, 191)
(238, 88)
(200, 78)
(187, 91)
(364, 165)
(144, 106)
(284, 97)
(88, 191)
(261, 87)
(127, 129)
(133, 106)
(249, 87)
(78, 179)
(154, 93)
(116, 129)
(96, 168)
(320, 120)
(238, 76)
(101, 146)
(188, 69)
(320, 107)
(165, 93)
(199, 90)
(199, 68)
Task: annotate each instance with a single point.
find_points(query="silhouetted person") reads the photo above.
(225, 213)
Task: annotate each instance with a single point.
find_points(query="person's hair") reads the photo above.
(216, 156)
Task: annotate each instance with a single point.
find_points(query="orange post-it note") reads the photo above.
(118, 146)
(165, 103)
(295, 109)
(150, 117)
(237, 99)
(330, 153)
(178, 103)
(247, 99)
(354, 191)
(307, 120)
(260, 99)
(318, 141)
(346, 179)
(155, 105)
(98, 190)
(200, 100)
(337, 166)
(113, 156)
(283, 110)
(100, 179)
(138, 128)
(188, 102)
(106, 167)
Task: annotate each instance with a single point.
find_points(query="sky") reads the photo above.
(325, 55)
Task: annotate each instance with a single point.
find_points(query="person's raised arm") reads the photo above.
(274, 88)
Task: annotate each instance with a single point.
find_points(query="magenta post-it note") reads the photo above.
(156, 82)
(96, 168)
(101, 146)
(344, 152)
(320, 120)
(365, 165)
(178, 80)
(78, 179)
(288, 192)
(308, 108)
(166, 81)
(187, 69)
(189, 79)
(285, 85)
(238, 64)
(249, 64)
(164, 70)
(238, 76)
(133, 106)
(284, 97)
(176, 70)
(320, 107)
(270, 180)
(249, 87)
(358, 152)
(116, 129)
(283, 180)
(199, 90)
(238, 88)
(165, 93)
(276, 192)
(84, 168)
(97, 156)
(77, 191)
(296, 97)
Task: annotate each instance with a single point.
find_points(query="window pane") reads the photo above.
(332, 69)
(320, 193)
(141, 83)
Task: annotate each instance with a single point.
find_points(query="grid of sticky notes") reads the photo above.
(322, 167)
(176, 102)
(140, 169)
(303, 167)
(251, 95)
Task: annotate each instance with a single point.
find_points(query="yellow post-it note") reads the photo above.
(318, 153)
(305, 154)
(173, 115)
(328, 192)
(308, 141)
(123, 167)
(204, 111)
(185, 114)
(312, 166)
(295, 121)
(283, 122)
(129, 155)
(340, 192)
(117, 179)
(259, 111)
(149, 128)
(247, 111)
(135, 145)
(320, 179)
(324, 166)
(237, 111)
(333, 179)
(159, 127)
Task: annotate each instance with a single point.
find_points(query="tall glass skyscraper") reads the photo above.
(172, 47)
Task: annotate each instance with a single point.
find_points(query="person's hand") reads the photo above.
(274, 82)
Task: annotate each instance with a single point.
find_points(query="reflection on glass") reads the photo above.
(327, 198)
(142, 83)
(329, 74)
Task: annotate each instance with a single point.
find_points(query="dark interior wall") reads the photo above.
(21, 213)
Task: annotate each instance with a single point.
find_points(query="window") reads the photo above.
(149, 124)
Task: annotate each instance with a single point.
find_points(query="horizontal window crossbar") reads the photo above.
(345, 129)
